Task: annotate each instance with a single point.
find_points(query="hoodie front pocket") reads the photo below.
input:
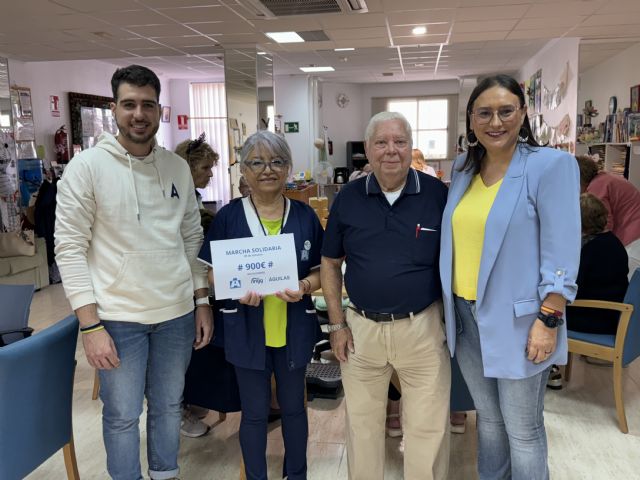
(151, 280)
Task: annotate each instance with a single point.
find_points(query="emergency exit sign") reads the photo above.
(291, 127)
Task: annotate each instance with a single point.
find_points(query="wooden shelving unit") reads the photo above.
(617, 158)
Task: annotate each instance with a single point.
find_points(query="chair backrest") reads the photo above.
(632, 341)
(36, 385)
(16, 302)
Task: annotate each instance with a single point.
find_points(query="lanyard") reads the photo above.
(284, 210)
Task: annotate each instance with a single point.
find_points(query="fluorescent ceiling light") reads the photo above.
(285, 37)
(418, 30)
(262, 53)
(343, 49)
(317, 69)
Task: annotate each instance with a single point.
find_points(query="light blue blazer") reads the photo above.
(531, 249)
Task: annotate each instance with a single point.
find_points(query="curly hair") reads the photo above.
(196, 151)
(593, 214)
(588, 169)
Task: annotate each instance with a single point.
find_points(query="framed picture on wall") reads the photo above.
(166, 114)
(635, 98)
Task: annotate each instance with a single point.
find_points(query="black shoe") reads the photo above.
(555, 378)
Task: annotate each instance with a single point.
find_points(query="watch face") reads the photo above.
(613, 105)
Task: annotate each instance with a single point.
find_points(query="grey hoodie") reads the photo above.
(128, 233)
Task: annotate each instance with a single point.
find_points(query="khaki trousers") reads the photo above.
(415, 347)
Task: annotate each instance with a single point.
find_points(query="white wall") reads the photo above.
(613, 77)
(59, 78)
(344, 124)
(552, 59)
(292, 94)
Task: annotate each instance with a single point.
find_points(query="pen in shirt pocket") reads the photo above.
(423, 229)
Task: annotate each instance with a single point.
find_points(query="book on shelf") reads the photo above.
(633, 127)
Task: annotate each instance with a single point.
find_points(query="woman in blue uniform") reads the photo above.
(274, 334)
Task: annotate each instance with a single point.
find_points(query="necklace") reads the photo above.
(284, 210)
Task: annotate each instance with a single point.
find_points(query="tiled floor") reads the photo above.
(584, 440)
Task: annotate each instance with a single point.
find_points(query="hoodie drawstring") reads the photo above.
(135, 191)
(160, 180)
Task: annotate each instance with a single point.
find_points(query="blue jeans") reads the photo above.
(153, 361)
(512, 442)
(255, 397)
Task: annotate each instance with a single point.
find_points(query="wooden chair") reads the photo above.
(621, 348)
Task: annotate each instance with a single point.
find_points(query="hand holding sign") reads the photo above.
(264, 265)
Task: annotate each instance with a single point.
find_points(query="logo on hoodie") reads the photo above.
(174, 191)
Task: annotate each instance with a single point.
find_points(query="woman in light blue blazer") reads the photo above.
(509, 258)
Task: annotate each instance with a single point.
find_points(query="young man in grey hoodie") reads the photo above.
(127, 237)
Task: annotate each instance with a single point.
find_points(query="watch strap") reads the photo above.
(334, 327)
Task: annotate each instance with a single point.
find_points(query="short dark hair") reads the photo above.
(588, 169)
(476, 153)
(593, 214)
(134, 75)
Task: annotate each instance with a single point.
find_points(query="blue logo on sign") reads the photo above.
(235, 283)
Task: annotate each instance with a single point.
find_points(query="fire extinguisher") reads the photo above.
(62, 147)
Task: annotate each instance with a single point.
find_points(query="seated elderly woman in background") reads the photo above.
(419, 163)
(603, 270)
(622, 201)
(273, 334)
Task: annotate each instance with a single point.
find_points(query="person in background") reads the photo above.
(387, 227)
(419, 163)
(362, 170)
(207, 368)
(603, 270)
(127, 237)
(622, 200)
(45, 219)
(509, 259)
(273, 334)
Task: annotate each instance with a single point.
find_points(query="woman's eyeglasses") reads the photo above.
(257, 165)
(505, 114)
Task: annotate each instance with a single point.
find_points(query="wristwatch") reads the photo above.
(550, 321)
(334, 327)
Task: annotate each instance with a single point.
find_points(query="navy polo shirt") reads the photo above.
(391, 250)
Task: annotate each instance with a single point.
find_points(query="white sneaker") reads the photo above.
(192, 426)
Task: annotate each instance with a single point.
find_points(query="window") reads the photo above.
(208, 113)
(429, 120)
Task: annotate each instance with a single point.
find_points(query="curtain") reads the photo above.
(208, 114)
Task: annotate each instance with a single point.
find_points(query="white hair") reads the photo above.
(384, 117)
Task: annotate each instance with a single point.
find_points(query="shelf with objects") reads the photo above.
(29, 165)
(617, 158)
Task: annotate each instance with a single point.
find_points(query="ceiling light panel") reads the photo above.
(285, 37)
(317, 69)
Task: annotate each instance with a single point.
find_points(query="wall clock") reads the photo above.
(342, 100)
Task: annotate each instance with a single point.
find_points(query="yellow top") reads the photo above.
(275, 310)
(468, 222)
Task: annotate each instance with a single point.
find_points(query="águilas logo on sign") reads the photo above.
(182, 122)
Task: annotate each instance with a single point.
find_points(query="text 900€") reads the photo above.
(254, 266)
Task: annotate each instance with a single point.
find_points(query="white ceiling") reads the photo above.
(185, 38)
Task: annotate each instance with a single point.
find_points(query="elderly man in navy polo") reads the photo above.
(387, 227)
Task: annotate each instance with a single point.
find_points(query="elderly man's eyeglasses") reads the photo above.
(257, 165)
(383, 144)
(505, 114)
